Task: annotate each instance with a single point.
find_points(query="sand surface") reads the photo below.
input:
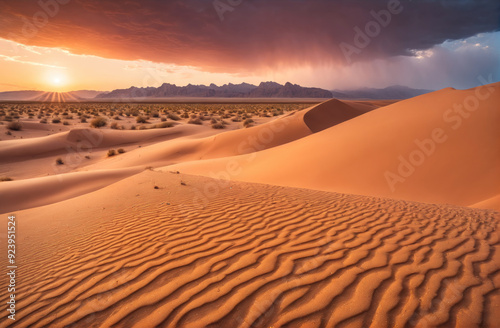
(253, 255)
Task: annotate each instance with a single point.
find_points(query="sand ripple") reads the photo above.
(272, 257)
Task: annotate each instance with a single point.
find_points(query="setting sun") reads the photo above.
(56, 80)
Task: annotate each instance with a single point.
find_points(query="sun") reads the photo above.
(56, 80)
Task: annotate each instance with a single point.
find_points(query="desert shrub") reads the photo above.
(65, 123)
(155, 114)
(173, 116)
(132, 127)
(14, 126)
(218, 125)
(236, 119)
(59, 161)
(83, 120)
(163, 119)
(117, 118)
(56, 120)
(111, 152)
(141, 119)
(98, 122)
(165, 125)
(195, 121)
(185, 115)
(114, 125)
(120, 150)
(43, 120)
(248, 122)
(5, 179)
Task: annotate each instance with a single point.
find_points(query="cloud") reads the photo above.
(456, 64)
(254, 36)
(18, 60)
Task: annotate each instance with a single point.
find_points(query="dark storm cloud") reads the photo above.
(252, 35)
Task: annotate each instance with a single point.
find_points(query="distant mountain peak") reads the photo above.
(267, 89)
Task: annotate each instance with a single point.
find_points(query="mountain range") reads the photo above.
(243, 90)
(391, 92)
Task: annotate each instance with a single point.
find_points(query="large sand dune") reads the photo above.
(268, 135)
(35, 157)
(442, 147)
(251, 255)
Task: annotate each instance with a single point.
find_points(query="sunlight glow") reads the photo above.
(56, 80)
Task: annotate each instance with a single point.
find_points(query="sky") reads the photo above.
(64, 45)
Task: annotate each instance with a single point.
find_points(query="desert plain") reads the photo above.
(334, 214)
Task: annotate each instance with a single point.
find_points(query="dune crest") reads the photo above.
(328, 114)
(22, 194)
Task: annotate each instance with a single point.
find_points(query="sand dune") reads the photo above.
(492, 202)
(35, 157)
(271, 134)
(252, 255)
(268, 135)
(441, 147)
(84, 138)
(328, 114)
(22, 194)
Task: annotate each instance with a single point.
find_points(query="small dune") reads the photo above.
(328, 114)
(28, 193)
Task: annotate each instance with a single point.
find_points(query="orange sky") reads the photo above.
(52, 69)
(62, 45)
